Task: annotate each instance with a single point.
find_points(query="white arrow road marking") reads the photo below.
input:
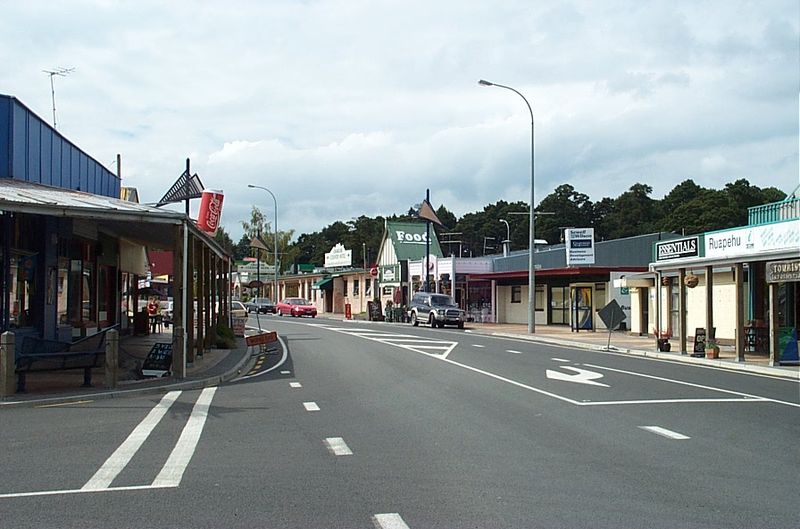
(581, 376)
(390, 520)
(665, 433)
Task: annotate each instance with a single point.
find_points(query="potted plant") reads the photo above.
(712, 349)
(662, 339)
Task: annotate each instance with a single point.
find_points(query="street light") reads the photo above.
(531, 243)
(507, 242)
(275, 288)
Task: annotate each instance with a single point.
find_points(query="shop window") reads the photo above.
(516, 294)
(23, 289)
(355, 287)
(600, 295)
(538, 298)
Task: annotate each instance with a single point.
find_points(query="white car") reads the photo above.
(238, 310)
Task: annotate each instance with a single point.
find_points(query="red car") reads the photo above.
(296, 307)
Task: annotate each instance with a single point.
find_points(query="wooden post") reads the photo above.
(738, 271)
(682, 310)
(774, 334)
(7, 364)
(112, 358)
(710, 334)
(179, 262)
(190, 307)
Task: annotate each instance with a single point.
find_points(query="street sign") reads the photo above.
(612, 315)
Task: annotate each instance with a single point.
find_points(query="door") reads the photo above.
(582, 308)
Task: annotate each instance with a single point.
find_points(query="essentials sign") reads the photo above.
(677, 249)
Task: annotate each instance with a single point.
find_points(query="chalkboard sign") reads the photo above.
(699, 342)
(158, 361)
(374, 310)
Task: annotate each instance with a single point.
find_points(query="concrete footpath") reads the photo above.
(220, 365)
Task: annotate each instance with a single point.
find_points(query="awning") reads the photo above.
(635, 281)
(323, 284)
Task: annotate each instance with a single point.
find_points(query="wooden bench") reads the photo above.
(38, 354)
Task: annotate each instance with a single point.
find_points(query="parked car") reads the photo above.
(238, 310)
(260, 305)
(296, 307)
(437, 310)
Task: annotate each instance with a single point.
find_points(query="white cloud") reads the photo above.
(351, 107)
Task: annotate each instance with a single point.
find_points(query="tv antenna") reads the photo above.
(63, 72)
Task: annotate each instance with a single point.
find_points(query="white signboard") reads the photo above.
(580, 246)
(338, 256)
(753, 240)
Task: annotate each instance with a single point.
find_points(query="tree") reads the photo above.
(224, 240)
(633, 213)
(569, 209)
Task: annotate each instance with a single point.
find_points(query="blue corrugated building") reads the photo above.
(33, 151)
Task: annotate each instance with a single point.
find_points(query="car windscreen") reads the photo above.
(442, 301)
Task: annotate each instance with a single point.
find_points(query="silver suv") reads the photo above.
(437, 310)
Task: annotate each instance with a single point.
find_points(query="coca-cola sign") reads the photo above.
(210, 210)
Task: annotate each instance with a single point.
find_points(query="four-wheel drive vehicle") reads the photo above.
(437, 310)
(260, 305)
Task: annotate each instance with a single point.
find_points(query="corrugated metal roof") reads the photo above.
(16, 195)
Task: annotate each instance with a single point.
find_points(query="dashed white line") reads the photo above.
(478, 346)
(286, 372)
(513, 351)
(311, 406)
(390, 520)
(338, 447)
(295, 385)
(665, 433)
(560, 360)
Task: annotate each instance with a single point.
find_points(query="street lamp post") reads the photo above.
(275, 288)
(507, 242)
(531, 243)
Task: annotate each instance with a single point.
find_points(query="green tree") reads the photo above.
(566, 208)
(224, 240)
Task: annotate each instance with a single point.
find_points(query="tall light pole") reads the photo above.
(275, 288)
(507, 242)
(531, 243)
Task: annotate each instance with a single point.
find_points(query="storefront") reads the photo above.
(736, 286)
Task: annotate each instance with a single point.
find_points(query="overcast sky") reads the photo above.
(347, 108)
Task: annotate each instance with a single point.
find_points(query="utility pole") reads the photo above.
(63, 72)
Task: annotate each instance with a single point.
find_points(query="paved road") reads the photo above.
(371, 425)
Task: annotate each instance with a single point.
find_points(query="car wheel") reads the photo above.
(414, 321)
(280, 313)
(432, 322)
(461, 325)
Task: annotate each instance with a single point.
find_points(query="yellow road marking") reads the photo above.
(64, 404)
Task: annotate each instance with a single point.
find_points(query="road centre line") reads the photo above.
(311, 406)
(389, 521)
(561, 360)
(117, 461)
(665, 433)
(701, 386)
(172, 471)
(478, 346)
(337, 446)
(295, 385)
(513, 351)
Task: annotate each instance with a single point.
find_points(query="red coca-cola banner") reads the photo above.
(210, 210)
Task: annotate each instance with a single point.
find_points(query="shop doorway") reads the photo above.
(559, 305)
(582, 309)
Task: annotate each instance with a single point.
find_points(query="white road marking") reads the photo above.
(665, 433)
(513, 351)
(581, 376)
(172, 471)
(295, 385)
(286, 372)
(311, 406)
(81, 491)
(560, 360)
(436, 348)
(389, 521)
(122, 455)
(670, 401)
(478, 346)
(338, 447)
